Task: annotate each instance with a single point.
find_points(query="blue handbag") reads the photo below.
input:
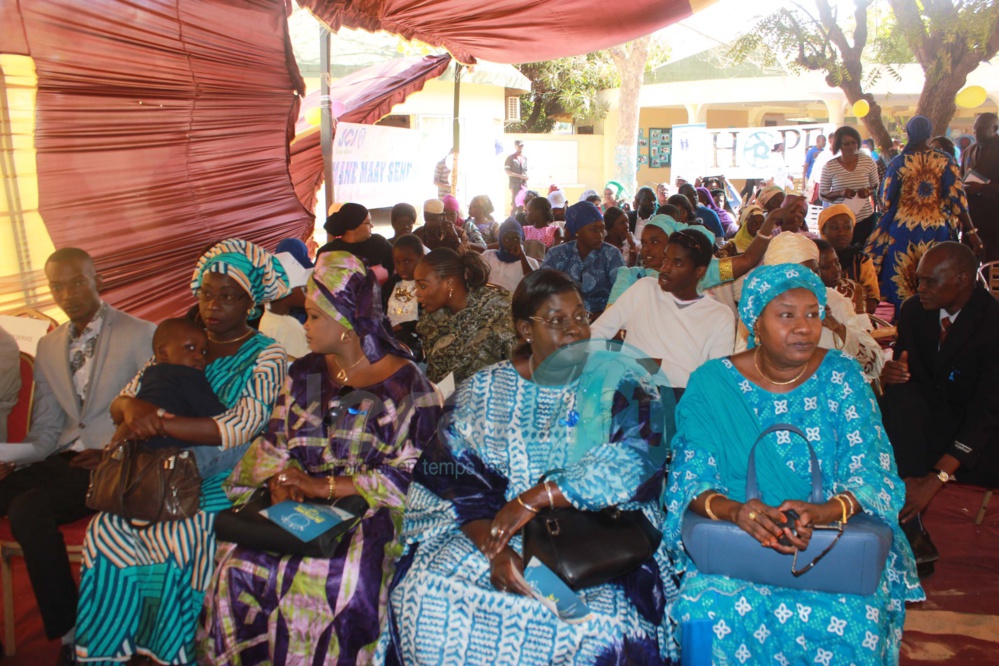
(843, 559)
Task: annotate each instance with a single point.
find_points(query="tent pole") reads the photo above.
(456, 128)
(326, 128)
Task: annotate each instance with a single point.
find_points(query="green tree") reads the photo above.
(948, 38)
(564, 88)
(568, 89)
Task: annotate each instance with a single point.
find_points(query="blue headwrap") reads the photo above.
(766, 283)
(505, 228)
(297, 249)
(256, 270)
(579, 215)
(918, 129)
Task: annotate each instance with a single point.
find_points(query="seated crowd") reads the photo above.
(321, 379)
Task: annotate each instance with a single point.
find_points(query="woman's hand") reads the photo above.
(300, 485)
(864, 193)
(975, 243)
(507, 573)
(144, 419)
(807, 517)
(510, 519)
(849, 194)
(764, 523)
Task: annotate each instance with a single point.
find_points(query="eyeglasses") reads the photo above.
(228, 298)
(562, 322)
(795, 571)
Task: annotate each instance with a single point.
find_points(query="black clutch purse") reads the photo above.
(246, 527)
(590, 548)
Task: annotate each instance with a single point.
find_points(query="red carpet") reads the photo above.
(957, 624)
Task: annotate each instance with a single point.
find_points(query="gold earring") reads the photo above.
(250, 311)
(450, 293)
(528, 341)
(345, 336)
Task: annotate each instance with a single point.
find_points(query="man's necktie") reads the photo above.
(944, 327)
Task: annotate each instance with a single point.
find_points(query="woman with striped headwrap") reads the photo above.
(142, 587)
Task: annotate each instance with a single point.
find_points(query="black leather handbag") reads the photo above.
(590, 548)
(245, 526)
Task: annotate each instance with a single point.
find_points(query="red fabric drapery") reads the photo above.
(367, 96)
(507, 31)
(162, 127)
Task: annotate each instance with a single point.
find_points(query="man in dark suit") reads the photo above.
(941, 397)
(80, 368)
(645, 208)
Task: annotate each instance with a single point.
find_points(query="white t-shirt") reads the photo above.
(288, 331)
(503, 274)
(684, 334)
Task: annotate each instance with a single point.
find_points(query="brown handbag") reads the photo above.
(137, 482)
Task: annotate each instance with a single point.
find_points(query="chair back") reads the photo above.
(535, 249)
(32, 313)
(19, 419)
(988, 274)
(812, 218)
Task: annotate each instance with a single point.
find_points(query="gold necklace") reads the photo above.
(341, 376)
(216, 341)
(756, 362)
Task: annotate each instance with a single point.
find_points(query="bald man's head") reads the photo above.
(946, 276)
(986, 126)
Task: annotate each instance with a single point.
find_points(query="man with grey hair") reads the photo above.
(941, 400)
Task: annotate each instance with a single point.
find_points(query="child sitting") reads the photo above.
(176, 383)
(399, 293)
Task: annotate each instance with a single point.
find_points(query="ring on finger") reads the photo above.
(282, 477)
(752, 515)
(495, 532)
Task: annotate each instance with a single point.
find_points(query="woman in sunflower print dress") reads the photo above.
(926, 205)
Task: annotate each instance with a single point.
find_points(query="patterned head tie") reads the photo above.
(256, 270)
(343, 288)
(766, 283)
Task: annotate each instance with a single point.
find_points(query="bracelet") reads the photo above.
(551, 500)
(332, 493)
(707, 505)
(854, 508)
(526, 506)
(842, 504)
(972, 232)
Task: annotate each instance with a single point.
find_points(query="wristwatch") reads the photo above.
(943, 476)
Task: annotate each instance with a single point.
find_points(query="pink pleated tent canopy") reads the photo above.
(508, 31)
(367, 95)
(145, 130)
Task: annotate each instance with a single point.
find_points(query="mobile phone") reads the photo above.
(792, 524)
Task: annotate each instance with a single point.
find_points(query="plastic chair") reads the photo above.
(20, 415)
(535, 249)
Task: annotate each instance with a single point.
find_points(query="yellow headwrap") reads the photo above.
(834, 210)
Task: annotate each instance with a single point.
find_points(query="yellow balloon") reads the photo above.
(971, 97)
(861, 108)
(314, 116)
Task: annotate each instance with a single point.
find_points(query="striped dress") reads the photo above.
(863, 177)
(141, 588)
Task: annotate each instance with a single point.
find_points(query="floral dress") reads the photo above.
(925, 197)
(760, 624)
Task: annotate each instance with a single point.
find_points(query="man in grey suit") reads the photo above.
(79, 369)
